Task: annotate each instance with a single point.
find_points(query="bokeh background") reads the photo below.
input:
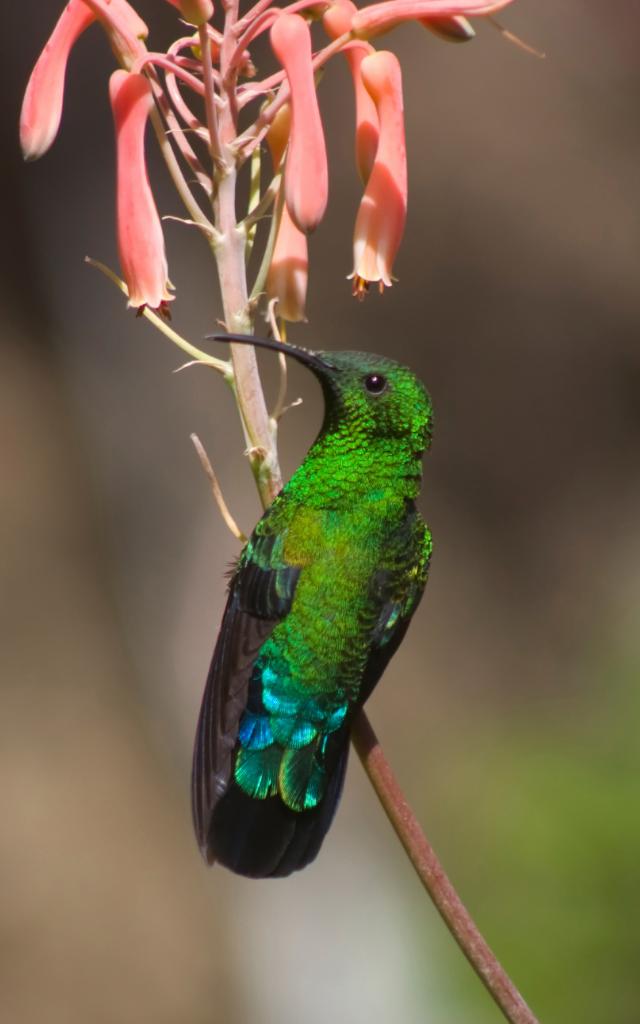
(511, 714)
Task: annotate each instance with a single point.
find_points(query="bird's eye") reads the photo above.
(375, 383)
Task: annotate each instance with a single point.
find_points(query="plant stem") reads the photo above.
(230, 256)
(433, 877)
(209, 92)
(175, 171)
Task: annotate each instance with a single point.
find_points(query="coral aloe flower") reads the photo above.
(288, 274)
(289, 270)
(306, 176)
(382, 17)
(42, 104)
(383, 209)
(337, 20)
(140, 239)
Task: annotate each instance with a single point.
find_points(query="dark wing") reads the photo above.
(260, 594)
(396, 590)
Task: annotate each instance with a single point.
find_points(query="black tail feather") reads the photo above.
(266, 839)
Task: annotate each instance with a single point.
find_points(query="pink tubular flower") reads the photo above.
(140, 239)
(381, 17)
(195, 12)
(383, 209)
(306, 177)
(337, 20)
(42, 104)
(289, 270)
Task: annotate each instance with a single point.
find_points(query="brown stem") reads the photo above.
(433, 877)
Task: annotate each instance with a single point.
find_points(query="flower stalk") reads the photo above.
(260, 437)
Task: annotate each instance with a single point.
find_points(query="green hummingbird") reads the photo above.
(319, 601)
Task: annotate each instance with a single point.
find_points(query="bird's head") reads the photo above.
(366, 395)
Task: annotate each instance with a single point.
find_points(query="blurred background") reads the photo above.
(510, 714)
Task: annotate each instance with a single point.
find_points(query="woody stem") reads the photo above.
(433, 877)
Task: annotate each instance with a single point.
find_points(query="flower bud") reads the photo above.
(140, 238)
(289, 270)
(382, 17)
(42, 105)
(306, 176)
(337, 20)
(278, 135)
(383, 209)
(43, 98)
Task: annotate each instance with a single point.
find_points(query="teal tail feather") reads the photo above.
(265, 838)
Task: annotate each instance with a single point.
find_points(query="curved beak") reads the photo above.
(303, 355)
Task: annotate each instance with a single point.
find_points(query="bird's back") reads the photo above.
(325, 596)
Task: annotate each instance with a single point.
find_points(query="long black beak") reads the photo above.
(308, 358)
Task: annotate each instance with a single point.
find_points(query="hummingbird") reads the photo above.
(318, 602)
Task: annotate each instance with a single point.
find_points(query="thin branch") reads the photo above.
(209, 233)
(160, 60)
(254, 201)
(209, 94)
(251, 15)
(253, 90)
(177, 133)
(279, 408)
(263, 203)
(511, 37)
(216, 490)
(261, 276)
(175, 170)
(262, 21)
(272, 320)
(432, 875)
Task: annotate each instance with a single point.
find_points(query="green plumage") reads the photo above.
(321, 597)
